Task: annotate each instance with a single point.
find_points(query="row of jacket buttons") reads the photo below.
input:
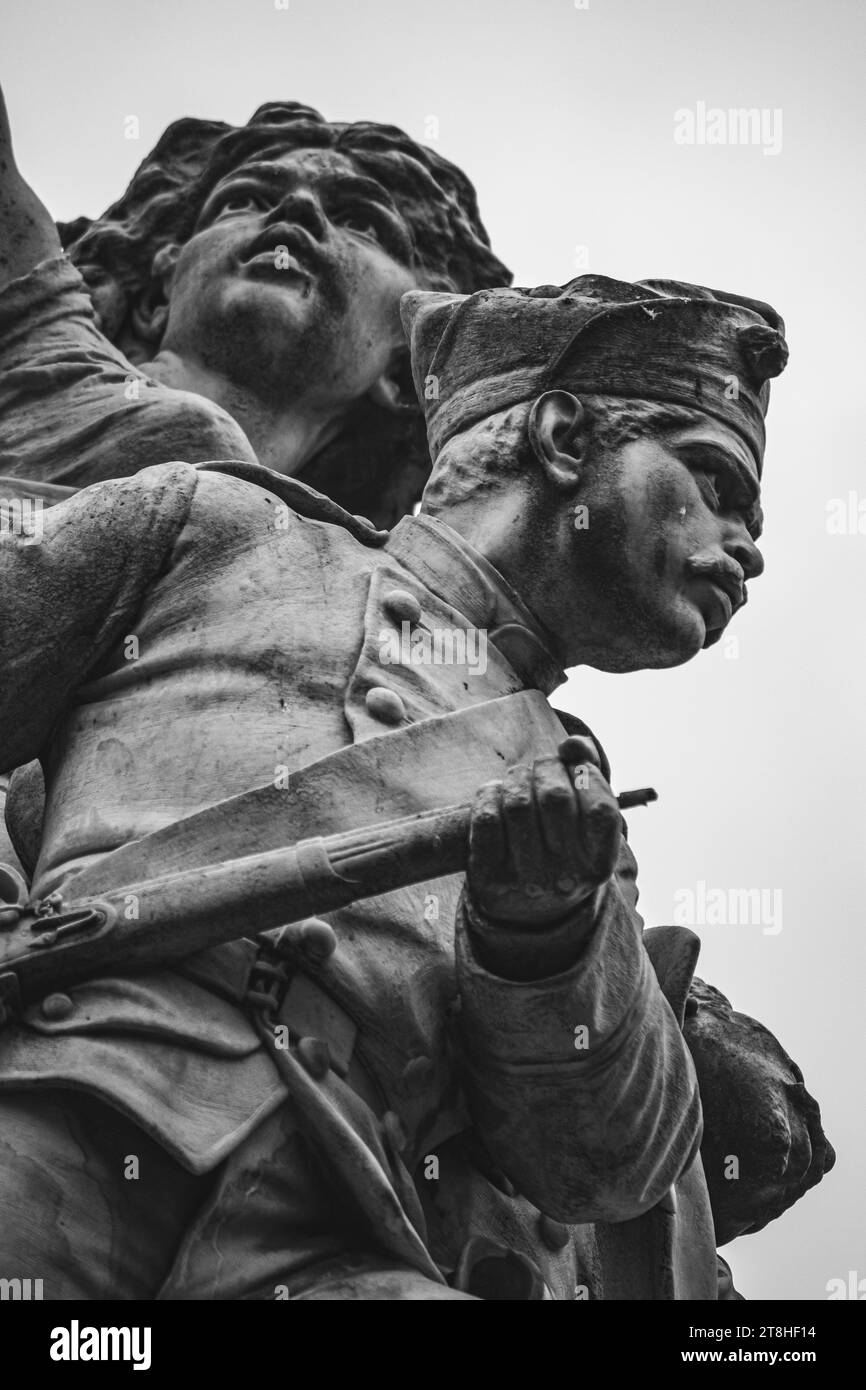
(57, 1006)
(384, 704)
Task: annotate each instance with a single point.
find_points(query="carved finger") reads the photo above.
(520, 819)
(556, 804)
(600, 826)
(487, 842)
(578, 749)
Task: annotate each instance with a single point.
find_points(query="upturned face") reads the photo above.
(292, 280)
(663, 562)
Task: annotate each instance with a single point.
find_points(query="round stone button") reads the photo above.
(403, 605)
(393, 1129)
(57, 1006)
(385, 704)
(417, 1075)
(315, 1057)
(553, 1233)
(318, 940)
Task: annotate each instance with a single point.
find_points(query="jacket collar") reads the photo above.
(459, 575)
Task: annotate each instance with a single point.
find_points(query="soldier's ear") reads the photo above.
(393, 390)
(558, 435)
(385, 392)
(150, 311)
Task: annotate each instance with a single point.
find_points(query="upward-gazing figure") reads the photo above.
(241, 300)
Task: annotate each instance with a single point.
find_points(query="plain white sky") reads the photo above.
(564, 119)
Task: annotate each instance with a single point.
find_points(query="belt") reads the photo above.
(290, 999)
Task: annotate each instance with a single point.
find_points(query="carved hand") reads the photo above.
(543, 839)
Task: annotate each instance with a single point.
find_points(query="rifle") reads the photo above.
(59, 941)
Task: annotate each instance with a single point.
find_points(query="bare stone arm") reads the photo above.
(27, 231)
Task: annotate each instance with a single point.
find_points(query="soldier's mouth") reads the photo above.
(716, 609)
(283, 250)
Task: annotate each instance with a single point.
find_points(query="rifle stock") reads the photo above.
(61, 941)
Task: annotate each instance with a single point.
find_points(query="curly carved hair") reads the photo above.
(380, 461)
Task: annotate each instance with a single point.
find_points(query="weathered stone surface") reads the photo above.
(263, 326)
(763, 1144)
(489, 1070)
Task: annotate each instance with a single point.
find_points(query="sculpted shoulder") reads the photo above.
(184, 425)
(146, 508)
(237, 495)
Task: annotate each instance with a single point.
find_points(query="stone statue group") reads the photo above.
(367, 1010)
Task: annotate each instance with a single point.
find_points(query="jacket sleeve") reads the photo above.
(71, 579)
(73, 409)
(580, 1084)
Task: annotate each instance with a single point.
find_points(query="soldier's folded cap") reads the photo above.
(656, 340)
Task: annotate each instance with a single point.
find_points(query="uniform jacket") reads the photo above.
(194, 632)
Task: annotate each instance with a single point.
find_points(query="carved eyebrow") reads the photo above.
(252, 172)
(706, 453)
(356, 186)
(344, 186)
(266, 171)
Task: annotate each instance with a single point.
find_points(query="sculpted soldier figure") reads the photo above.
(487, 1092)
(241, 301)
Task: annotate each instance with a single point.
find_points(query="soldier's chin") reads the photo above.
(714, 635)
(650, 637)
(682, 637)
(265, 308)
(656, 648)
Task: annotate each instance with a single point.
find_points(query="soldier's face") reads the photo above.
(668, 546)
(291, 282)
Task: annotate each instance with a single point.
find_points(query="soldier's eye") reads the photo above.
(360, 223)
(236, 204)
(711, 488)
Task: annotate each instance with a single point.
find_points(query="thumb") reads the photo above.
(578, 749)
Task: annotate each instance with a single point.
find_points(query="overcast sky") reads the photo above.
(565, 119)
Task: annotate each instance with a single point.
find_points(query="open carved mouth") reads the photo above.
(284, 250)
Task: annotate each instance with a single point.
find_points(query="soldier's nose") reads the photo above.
(302, 208)
(743, 549)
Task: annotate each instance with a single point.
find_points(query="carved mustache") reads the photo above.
(725, 573)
